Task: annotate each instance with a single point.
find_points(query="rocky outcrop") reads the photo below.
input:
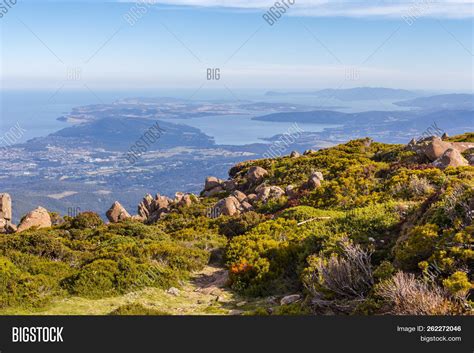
(239, 195)
(5, 207)
(229, 185)
(256, 174)
(295, 154)
(186, 201)
(11, 228)
(451, 158)
(462, 146)
(266, 193)
(38, 218)
(234, 205)
(178, 197)
(213, 192)
(433, 148)
(214, 186)
(252, 198)
(246, 206)
(6, 214)
(212, 182)
(469, 155)
(150, 210)
(314, 181)
(228, 206)
(117, 213)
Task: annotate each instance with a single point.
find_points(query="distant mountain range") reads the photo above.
(444, 101)
(333, 117)
(353, 94)
(393, 126)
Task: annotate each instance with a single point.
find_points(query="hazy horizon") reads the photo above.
(172, 44)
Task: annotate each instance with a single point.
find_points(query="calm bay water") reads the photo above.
(36, 112)
(242, 130)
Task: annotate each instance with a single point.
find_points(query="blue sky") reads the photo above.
(46, 44)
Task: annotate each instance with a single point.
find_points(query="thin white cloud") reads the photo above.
(339, 8)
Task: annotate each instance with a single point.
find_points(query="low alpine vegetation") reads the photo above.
(360, 228)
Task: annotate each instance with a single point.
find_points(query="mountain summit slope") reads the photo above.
(359, 228)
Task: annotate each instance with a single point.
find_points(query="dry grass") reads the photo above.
(411, 296)
(341, 282)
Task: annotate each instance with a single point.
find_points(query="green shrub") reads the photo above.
(269, 257)
(36, 265)
(458, 284)
(454, 209)
(95, 280)
(384, 198)
(86, 220)
(49, 244)
(418, 247)
(18, 288)
(384, 271)
(178, 257)
(234, 226)
(272, 205)
(374, 221)
(305, 213)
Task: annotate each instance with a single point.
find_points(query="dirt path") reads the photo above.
(210, 287)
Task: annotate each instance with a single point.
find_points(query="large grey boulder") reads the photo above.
(266, 193)
(314, 180)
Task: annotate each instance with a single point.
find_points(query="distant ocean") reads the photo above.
(36, 112)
